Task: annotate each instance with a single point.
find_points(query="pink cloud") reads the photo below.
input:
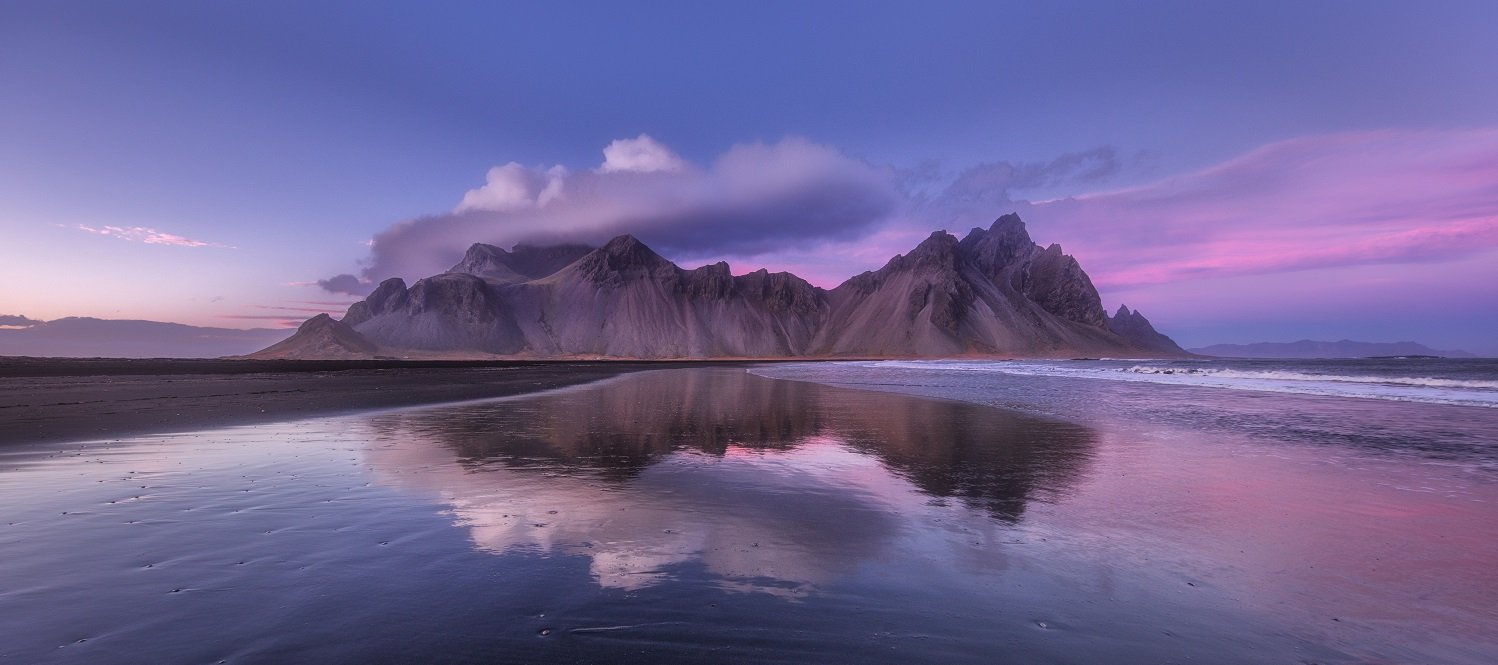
(146, 235)
(1324, 201)
(1313, 203)
(314, 310)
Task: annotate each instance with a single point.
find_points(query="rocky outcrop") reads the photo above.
(1132, 326)
(994, 293)
(321, 336)
(521, 264)
(452, 312)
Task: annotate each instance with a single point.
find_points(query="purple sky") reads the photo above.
(1240, 172)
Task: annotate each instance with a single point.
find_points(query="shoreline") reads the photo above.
(66, 400)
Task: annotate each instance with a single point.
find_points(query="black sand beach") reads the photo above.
(62, 399)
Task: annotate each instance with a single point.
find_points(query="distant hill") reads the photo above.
(994, 292)
(80, 337)
(1312, 349)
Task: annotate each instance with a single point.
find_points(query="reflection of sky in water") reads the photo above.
(658, 516)
(770, 486)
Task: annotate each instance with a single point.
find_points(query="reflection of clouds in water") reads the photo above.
(768, 485)
(747, 519)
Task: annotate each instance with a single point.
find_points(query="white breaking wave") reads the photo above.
(1431, 382)
(1431, 390)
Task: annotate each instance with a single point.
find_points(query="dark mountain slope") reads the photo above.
(995, 292)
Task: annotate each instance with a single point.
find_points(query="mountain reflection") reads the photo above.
(770, 484)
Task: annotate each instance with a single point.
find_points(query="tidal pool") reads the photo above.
(710, 515)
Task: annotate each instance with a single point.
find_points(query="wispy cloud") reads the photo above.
(314, 310)
(288, 315)
(146, 235)
(340, 304)
(288, 321)
(1386, 197)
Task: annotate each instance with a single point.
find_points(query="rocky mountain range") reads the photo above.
(992, 293)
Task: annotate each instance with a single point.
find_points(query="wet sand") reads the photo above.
(63, 399)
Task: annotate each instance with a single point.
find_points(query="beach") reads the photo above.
(62, 399)
(813, 512)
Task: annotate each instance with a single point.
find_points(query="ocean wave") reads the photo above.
(1428, 390)
(1273, 375)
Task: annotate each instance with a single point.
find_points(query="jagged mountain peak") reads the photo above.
(1000, 245)
(519, 264)
(939, 242)
(938, 251)
(480, 249)
(719, 268)
(624, 259)
(994, 292)
(479, 253)
(1132, 326)
(625, 245)
(627, 250)
(1009, 223)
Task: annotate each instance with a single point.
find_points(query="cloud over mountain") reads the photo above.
(641, 154)
(1417, 206)
(754, 197)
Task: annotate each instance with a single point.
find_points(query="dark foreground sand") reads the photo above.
(62, 399)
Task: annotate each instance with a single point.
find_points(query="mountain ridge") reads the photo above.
(993, 292)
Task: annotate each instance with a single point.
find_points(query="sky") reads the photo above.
(1240, 172)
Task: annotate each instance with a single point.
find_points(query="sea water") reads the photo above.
(1434, 407)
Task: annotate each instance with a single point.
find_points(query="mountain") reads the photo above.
(1312, 349)
(992, 293)
(1134, 327)
(621, 300)
(322, 337)
(522, 264)
(82, 337)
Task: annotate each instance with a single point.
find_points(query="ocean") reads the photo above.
(1435, 408)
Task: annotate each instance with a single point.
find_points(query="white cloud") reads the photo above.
(146, 235)
(641, 154)
(513, 186)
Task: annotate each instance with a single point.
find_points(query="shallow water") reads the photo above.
(714, 515)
